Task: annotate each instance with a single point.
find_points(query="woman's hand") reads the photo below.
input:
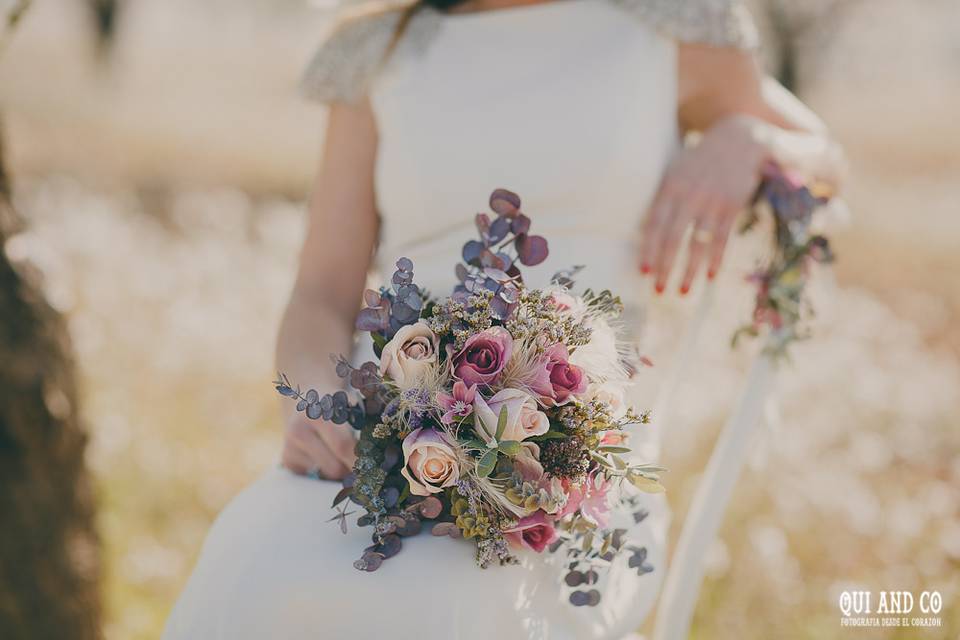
(322, 448)
(319, 319)
(704, 189)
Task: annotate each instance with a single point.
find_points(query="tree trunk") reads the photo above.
(49, 552)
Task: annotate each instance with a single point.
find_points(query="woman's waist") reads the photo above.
(606, 258)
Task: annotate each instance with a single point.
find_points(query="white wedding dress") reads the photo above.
(571, 104)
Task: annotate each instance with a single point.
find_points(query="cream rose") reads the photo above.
(430, 462)
(411, 352)
(532, 422)
(524, 420)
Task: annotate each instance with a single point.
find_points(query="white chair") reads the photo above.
(685, 572)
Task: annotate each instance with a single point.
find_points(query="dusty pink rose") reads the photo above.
(458, 405)
(535, 532)
(558, 380)
(483, 356)
(590, 497)
(430, 462)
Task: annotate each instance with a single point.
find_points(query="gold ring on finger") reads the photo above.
(703, 236)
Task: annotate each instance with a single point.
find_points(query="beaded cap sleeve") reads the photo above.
(346, 63)
(719, 23)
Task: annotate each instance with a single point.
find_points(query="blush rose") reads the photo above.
(430, 462)
(524, 420)
(407, 357)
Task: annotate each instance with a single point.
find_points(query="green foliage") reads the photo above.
(487, 463)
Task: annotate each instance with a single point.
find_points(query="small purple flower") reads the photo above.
(458, 405)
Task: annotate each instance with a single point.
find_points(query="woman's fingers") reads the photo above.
(340, 440)
(653, 227)
(670, 241)
(701, 240)
(719, 244)
(304, 451)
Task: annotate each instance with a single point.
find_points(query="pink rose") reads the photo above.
(535, 532)
(430, 462)
(483, 356)
(558, 380)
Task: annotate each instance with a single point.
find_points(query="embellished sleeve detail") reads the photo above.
(341, 70)
(720, 23)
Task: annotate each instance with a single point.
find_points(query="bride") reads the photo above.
(579, 106)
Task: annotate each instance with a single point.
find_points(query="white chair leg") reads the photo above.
(685, 573)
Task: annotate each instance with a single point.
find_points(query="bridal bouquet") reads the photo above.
(497, 413)
(780, 304)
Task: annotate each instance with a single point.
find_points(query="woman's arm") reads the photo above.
(336, 255)
(745, 122)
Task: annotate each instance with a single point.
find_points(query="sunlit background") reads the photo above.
(162, 167)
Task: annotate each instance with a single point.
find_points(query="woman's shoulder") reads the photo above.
(719, 23)
(348, 59)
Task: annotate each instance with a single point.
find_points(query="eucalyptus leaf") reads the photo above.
(342, 495)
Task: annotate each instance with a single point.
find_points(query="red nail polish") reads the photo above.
(684, 290)
(659, 288)
(644, 268)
